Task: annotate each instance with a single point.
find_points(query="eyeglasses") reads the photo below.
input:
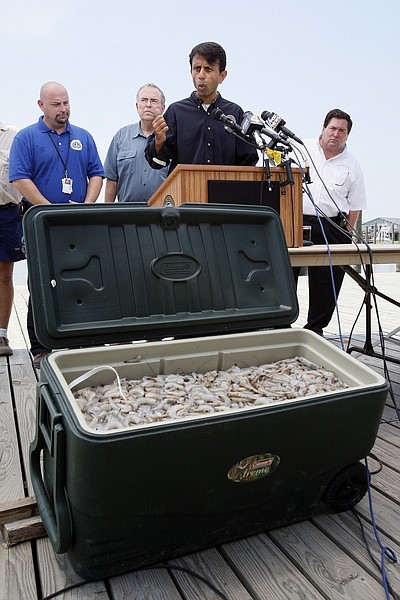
(153, 101)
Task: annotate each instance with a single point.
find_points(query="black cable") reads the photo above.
(68, 589)
(197, 576)
(149, 568)
(378, 460)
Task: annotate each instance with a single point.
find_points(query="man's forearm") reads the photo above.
(28, 190)
(93, 189)
(111, 191)
(352, 219)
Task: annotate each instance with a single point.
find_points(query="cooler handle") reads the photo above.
(50, 433)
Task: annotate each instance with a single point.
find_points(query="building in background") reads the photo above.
(381, 230)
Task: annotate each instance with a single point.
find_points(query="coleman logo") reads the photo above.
(253, 468)
(262, 464)
(176, 267)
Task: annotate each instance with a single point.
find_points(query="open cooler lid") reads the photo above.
(106, 273)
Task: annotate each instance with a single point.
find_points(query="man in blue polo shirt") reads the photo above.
(53, 162)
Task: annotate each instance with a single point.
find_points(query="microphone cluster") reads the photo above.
(253, 128)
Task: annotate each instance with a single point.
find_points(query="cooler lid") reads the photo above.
(106, 273)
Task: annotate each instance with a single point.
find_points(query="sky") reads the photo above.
(296, 58)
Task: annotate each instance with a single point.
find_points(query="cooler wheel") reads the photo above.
(347, 488)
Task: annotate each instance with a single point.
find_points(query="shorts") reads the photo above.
(11, 234)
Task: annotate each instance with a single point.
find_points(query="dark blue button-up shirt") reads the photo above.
(194, 137)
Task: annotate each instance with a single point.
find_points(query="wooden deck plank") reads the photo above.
(151, 583)
(387, 452)
(56, 573)
(331, 569)
(11, 486)
(389, 414)
(23, 530)
(210, 565)
(268, 572)
(24, 386)
(388, 482)
(345, 529)
(386, 513)
(17, 574)
(390, 433)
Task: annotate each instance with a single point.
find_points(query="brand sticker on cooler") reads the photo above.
(253, 468)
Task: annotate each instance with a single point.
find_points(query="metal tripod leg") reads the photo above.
(369, 289)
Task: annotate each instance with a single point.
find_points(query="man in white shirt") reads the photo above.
(332, 209)
(10, 238)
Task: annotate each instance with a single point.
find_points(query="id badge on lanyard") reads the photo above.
(66, 185)
(66, 182)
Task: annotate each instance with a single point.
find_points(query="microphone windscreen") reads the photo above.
(265, 115)
(217, 114)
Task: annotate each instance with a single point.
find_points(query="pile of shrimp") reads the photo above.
(174, 396)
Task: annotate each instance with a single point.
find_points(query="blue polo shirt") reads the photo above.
(194, 137)
(42, 155)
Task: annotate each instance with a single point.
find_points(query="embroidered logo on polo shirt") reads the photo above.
(76, 145)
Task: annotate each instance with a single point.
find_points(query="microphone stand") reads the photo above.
(287, 165)
(267, 171)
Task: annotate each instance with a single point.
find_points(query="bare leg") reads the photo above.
(6, 292)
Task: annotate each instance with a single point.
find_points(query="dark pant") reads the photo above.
(36, 346)
(323, 284)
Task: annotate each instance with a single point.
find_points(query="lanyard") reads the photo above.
(58, 152)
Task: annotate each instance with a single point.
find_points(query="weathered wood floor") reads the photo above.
(323, 558)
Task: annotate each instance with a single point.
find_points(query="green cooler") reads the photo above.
(216, 281)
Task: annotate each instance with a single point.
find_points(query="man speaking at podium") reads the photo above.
(187, 133)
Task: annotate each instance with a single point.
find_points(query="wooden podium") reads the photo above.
(190, 183)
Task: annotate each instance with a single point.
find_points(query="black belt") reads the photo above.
(310, 219)
(8, 205)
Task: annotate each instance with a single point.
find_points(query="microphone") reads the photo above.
(251, 126)
(228, 120)
(278, 124)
